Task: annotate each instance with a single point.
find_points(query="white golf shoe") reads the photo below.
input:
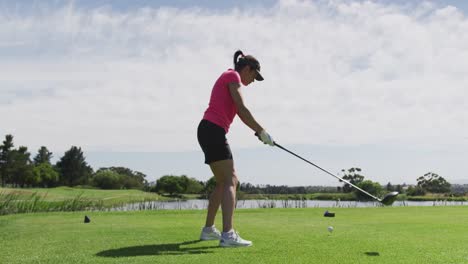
(210, 233)
(232, 239)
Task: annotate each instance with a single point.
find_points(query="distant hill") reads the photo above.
(459, 181)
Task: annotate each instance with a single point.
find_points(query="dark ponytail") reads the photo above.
(247, 60)
(236, 60)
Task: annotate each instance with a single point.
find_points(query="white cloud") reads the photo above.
(337, 72)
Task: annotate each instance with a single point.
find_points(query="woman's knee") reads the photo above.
(231, 180)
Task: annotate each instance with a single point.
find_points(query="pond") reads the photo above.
(253, 204)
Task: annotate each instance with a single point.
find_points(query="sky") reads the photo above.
(380, 85)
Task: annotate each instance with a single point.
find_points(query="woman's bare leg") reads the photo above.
(226, 183)
(213, 205)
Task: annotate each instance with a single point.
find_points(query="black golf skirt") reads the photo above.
(212, 140)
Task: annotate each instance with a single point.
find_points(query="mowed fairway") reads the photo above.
(361, 235)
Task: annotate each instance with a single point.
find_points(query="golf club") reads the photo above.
(388, 199)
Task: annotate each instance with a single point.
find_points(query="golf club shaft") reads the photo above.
(318, 167)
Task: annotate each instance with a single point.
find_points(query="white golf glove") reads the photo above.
(266, 138)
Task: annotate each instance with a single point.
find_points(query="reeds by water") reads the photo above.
(14, 203)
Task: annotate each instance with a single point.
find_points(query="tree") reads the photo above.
(43, 156)
(169, 184)
(459, 189)
(209, 187)
(5, 159)
(369, 186)
(21, 167)
(248, 188)
(128, 179)
(183, 181)
(44, 175)
(107, 179)
(390, 187)
(431, 182)
(193, 186)
(415, 191)
(73, 168)
(399, 188)
(352, 175)
(178, 185)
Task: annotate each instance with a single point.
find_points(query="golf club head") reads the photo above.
(389, 198)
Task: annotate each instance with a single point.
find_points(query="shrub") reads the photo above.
(107, 179)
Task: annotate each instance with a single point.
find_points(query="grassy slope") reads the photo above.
(362, 235)
(108, 196)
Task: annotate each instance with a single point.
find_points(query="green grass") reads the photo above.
(108, 197)
(69, 199)
(362, 235)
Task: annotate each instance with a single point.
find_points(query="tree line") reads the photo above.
(18, 169)
(428, 183)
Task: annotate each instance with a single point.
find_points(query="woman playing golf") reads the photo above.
(225, 102)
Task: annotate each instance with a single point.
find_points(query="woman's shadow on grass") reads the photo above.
(158, 249)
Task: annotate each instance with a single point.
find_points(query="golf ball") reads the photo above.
(330, 229)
